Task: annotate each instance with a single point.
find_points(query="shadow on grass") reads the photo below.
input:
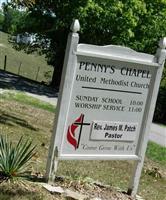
(11, 120)
(18, 193)
(15, 191)
(12, 81)
(21, 189)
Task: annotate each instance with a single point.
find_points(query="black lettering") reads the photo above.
(81, 64)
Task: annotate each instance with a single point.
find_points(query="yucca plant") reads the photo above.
(14, 158)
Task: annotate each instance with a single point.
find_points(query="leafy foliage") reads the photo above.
(160, 111)
(13, 159)
(11, 19)
(24, 3)
(1, 19)
(134, 23)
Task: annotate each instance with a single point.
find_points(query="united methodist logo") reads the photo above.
(72, 136)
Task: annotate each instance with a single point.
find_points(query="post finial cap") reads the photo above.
(162, 43)
(75, 26)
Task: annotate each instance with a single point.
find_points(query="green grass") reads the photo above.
(29, 62)
(28, 100)
(156, 153)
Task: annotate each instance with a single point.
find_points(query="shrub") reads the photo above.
(160, 111)
(14, 158)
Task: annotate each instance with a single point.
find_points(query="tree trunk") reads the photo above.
(56, 78)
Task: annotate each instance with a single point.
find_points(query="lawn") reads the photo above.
(26, 64)
(19, 118)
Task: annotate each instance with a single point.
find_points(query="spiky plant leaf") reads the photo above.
(14, 158)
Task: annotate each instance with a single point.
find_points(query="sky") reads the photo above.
(2, 1)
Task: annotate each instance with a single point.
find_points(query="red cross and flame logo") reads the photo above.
(71, 132)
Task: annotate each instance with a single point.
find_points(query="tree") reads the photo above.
(24, 2)
(11, 18)
(1, 19)
(134, 23)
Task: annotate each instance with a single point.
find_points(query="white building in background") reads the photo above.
(32, 39)
(26, 38)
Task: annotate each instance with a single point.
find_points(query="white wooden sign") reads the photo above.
(106, 104)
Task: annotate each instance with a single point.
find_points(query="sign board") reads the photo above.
(106, 104)
(106, 107)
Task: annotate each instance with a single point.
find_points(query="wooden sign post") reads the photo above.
(106, 104)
